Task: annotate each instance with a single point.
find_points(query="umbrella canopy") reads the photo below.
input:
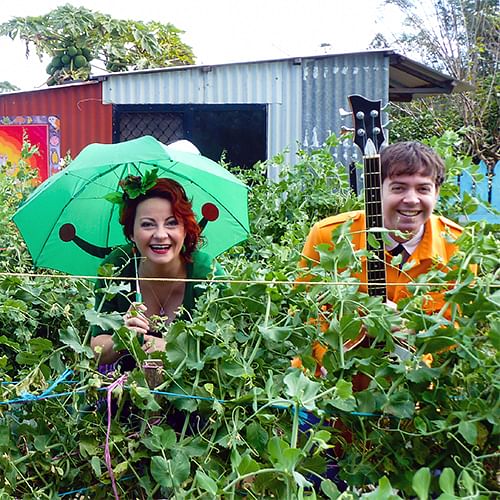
(69, 226)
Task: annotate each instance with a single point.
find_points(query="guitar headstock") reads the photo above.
(368, 132)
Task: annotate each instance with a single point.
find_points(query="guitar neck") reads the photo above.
(375, 268)
(369, 137)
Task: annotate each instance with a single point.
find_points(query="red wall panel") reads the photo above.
(83, 117)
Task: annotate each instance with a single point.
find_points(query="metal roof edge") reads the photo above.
(421, 70)
(445, 83)
(73, 83)
(295, 59)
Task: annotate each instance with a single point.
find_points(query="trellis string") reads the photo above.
(228, 281)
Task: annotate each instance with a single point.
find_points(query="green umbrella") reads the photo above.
(69, 226)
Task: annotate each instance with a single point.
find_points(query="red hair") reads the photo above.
(182, 209)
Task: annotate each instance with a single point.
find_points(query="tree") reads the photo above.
(6, 86)
(460, 38)
(75, 37)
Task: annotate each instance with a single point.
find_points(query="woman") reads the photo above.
(164, 236)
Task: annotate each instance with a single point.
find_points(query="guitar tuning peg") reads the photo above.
(343, 112)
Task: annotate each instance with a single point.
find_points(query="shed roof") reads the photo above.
(407, 78)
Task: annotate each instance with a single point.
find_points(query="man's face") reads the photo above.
(408, 202)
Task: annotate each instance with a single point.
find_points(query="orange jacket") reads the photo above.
(433, 251)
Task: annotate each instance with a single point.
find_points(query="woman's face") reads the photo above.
(158, 235)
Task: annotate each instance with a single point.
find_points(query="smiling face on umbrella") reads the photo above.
(408, 202)
(158, 235)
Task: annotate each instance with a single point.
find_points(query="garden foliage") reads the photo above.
(229, 417)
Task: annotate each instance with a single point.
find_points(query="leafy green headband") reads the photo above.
(133, 186)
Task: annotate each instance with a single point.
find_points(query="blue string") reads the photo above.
(47, 393)
(74, 492)
(82, 490)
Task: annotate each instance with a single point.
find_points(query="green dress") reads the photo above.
(202, 267)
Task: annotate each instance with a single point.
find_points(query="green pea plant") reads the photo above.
(229, 416)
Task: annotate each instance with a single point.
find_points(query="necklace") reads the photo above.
(174, 287)
(161, 305)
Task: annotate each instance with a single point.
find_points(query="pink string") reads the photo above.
(107, 455)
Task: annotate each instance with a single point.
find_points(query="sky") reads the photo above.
(221, 31)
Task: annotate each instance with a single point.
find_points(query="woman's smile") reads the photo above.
(160, 249)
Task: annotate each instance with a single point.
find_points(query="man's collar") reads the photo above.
(409, 245)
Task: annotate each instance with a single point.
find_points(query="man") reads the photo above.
(412, 175)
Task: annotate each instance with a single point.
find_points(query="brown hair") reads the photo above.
(409, 158)
(182, 209)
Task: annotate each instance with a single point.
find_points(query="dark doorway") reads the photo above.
(236, 132)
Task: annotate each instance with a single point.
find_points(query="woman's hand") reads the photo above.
(135, 318)
(103, 348)
(153, 344)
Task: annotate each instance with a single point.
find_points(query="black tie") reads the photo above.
(400, 249)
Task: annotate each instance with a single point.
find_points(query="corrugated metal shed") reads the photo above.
(83, 117)
(302, 95)
(276, 84)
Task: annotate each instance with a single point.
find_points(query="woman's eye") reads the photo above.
(146, 224)
(172, 223)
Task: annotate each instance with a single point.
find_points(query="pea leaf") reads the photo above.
(105, 321)
(40, 345)
(329, 488)
(384, 491)
(170, 473)
(247, 465)
(206, 483)
(423, 375)
(143, 398)
(257, 436)
(468, 431)
(13, 345)
(96, 466)
(400, 404)
(70, 337)
(447, 481)
(276, 333)
(421, 482)
(282, 456)
(301, 389)
(160, 439)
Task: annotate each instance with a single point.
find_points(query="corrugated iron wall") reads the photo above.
(303, 95)
(277, 84)
(79, 107)
(327, 82)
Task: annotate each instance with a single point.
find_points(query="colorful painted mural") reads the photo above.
(41, 131)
